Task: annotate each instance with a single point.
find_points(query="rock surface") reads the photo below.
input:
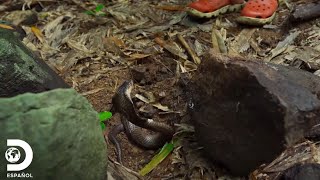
(246, 113)
(21, 71)
(62, 129)
(309, 171)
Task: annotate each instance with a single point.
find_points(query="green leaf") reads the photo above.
(157, 159)
(90, 13)
(103, 126)
(103, 116)
(99, 7)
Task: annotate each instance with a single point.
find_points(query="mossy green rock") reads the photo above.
(63, 131)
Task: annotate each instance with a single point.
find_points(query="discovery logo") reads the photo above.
(13, 155)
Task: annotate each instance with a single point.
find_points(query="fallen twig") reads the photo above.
(193, 55)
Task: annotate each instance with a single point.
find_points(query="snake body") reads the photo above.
(133, 124)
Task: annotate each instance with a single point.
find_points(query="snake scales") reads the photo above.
(133, 124)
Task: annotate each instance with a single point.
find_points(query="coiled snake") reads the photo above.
(133, 124)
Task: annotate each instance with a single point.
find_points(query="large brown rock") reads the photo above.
(246, 112)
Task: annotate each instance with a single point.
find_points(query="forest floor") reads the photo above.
(141, 40)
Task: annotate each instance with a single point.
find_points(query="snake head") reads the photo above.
(122, 96)
(128, 88)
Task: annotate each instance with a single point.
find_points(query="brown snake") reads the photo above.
(133, 124)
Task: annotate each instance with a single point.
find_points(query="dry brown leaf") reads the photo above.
(37, 32)
(118, 171)
(161, 107)
(6, 26)
(189, 66)
(283, 45)
(78, 46)
(183, 69)
(172, 47)
(59, 30)
(157, 105)
(111, 45)
(136, 56)
(242, 41)
(92, 91)
(159, 41)
(214, 41)
(199, 48)
(117, 41)
(298, 153)
(142, 98)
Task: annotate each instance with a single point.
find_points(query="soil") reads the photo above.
(97, 75)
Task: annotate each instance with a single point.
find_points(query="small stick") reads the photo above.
(193, 55)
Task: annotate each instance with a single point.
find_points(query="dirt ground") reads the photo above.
(138, 40)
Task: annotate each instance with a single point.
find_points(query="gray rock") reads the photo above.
(21, 71)
(63, 130)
